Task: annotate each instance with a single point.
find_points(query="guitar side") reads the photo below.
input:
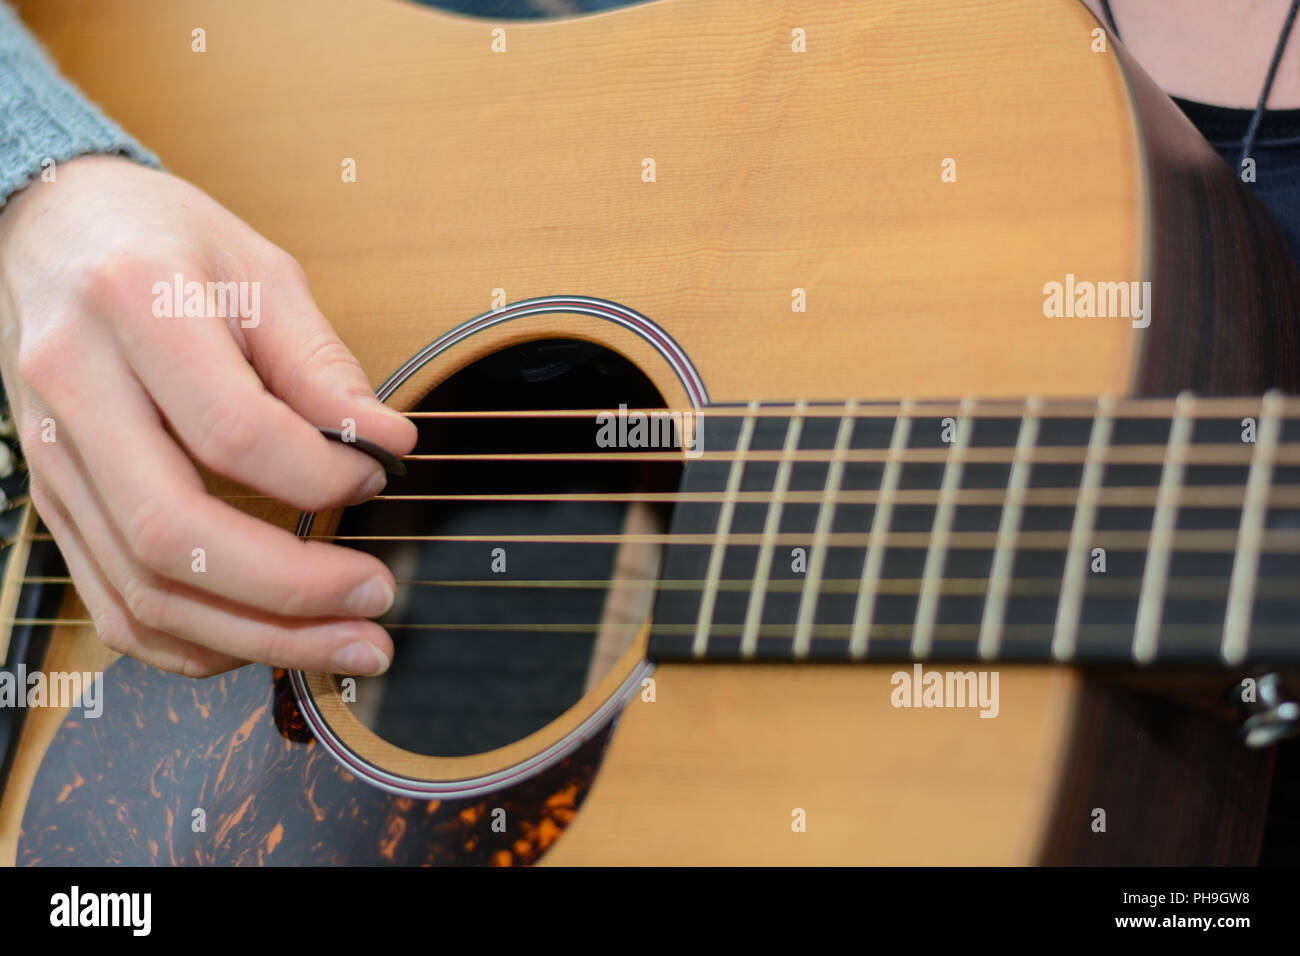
(774, 172)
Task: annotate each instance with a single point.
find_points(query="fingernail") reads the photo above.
(361, 658)
(373, 403)
(374, 485)
(371, 598)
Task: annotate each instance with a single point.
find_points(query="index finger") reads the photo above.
(174, 528)
(217, 405)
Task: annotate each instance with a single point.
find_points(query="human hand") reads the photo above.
(87, 362)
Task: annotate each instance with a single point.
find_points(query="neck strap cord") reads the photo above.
(1247, 141)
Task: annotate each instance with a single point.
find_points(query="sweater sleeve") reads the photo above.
(43, 116)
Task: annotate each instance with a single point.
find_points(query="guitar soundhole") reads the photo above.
(497, 636)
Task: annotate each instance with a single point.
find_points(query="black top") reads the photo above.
(1276, 153)
(1275, 179)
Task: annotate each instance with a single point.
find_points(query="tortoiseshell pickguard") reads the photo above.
(122, 788)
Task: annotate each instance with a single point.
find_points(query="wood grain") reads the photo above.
(712, 771)
(775, 171)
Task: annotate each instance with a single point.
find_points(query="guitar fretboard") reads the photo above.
(1147, 531)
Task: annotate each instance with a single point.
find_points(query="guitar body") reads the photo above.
(782, 215)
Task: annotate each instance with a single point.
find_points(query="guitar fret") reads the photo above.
(927, 604)
(865, 606)
(1241, 588)
(1066, 631)
(1004, 553)
(946, 571)
(1146, 633)
(725, 513)
(771, 526)
(825, 518)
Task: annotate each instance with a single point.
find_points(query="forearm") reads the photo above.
(44, 119)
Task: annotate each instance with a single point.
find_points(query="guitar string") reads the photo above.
(1132, 408)
(984, 408)
(1201, 541)
(1201, 453)
(1202, 496)
(900, 633)
(1280, 588)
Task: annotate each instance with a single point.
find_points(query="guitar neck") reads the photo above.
(1122, 531)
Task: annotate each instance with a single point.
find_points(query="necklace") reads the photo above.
(1248, 140)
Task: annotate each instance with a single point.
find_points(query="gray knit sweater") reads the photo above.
(43, 116)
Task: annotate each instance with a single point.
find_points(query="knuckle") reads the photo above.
(194, 666)
(35, 364)
(43, 358)
(275, 647)
(300, 585)
(300, 603)
(147, 601)
(123, 280)
(324, 353)
(324, 360)
(227, 433)
(285, 267)
(113, 630)
(296, 604)
(152, 534)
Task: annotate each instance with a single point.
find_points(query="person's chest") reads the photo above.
(1210, 51)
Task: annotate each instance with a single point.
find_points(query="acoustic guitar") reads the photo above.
(850, 433)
